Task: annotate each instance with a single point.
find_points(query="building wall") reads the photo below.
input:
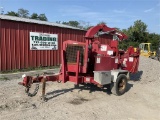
(15, 51)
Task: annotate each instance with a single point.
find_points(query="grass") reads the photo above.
(4, 78)
(29, 69)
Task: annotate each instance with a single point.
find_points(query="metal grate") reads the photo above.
(71, 53)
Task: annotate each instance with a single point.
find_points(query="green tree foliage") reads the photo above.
(84, 25)
(154, 39)
(102, 22)
(34, 16)
(12, 13)
(79, 24)
(42, 17)
(72, 23)
(88, 27)
(25, 14)
(138, 34)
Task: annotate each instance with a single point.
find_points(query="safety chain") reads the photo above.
(29, 86)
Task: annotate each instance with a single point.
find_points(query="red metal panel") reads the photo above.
(22, 46)
(103, 65)
(13, 44)
(3, 49)
(37, 52)
(6, 46)
(15, 50)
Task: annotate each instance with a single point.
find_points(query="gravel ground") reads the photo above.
(140, 102)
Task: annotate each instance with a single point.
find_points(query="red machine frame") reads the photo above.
(92, 51)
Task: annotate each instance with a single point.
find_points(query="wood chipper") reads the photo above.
(92, 62)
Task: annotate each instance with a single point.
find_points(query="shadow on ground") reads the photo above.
(136, 76)
(129, 86)
(90, 87)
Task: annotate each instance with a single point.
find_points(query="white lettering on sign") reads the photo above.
(110, 52)
(116, 60)
(130, 59)
(98, 60)
(103, 48)
(43, 41)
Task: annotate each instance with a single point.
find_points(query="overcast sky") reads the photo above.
(116, 13)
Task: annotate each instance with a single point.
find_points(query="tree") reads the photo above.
(81, 24)
(59, 22)
(137, 32)
(23, 13)
(154, 39)
(84, 25)
(12, 13)
(34, 16)
(102, 22)
(42, 17)
(72, 23)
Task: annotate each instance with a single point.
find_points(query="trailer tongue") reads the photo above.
(92, 62)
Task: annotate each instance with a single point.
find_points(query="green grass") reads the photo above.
(4, 78)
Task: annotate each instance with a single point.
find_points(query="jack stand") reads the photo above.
(43, 88)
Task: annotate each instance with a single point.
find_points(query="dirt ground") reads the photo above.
(140, 102)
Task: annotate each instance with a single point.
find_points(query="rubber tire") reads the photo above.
(158, 59)
(114, 85)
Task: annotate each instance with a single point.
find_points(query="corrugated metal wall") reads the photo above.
(15, 51)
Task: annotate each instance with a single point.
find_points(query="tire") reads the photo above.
(119, 87)
(159, 59)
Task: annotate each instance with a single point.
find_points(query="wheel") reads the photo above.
(59, 81)
(76, 85)
(119, 87)
(159, 59)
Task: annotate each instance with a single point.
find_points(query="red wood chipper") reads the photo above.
(92, 62)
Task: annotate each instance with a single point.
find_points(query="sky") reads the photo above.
(116, 13)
